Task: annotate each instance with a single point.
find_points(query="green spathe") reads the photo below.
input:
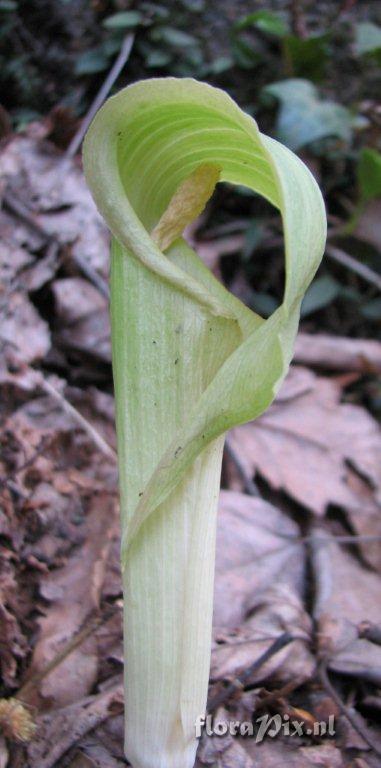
(189, 361)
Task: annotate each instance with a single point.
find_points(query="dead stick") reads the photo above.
(351, 717)
(101, 96)
(97, 438)
(348, 261)
(77, 640)
(243, 678)
(26, 215)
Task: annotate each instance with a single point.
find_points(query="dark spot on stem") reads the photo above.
(177, 451)
(177, 360)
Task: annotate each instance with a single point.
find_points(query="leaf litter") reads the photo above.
(301, 564)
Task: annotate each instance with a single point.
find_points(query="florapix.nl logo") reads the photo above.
(263, 727)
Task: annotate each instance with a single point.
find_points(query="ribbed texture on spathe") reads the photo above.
(169, 596)
(170, 353)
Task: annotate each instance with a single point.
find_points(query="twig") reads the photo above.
(298, 23)
(15, 206)
(362, 270)
(249, 484)
(62, 729)
(243, 678)
(321, 571)
(97, 438)
(372, 701)
(353, 538)
(101, 96)
(94, 277)
(351, 717)
(79, 638)
(280, 693)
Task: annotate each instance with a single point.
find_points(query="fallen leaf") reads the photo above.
(4, 754)
(278, 753)
(92, 754)
(338, 353)
(19, 346)
(58, 196)
(75, 298)
(260, 572)
(60, 729)
(73, 593)
(333, 452)
(13, 643)
(90, 335)
(339, 611)
(256, 543)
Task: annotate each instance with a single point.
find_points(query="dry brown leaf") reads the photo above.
(338, 353)
(234, 756)
(90, 335)
(260, 572)
(13, 644)
(4, 754)
(333, 452)
(60, 729)
(34, 173)
(92, 754)
(256, 544)
(279, 754)
(84, 324)
(75, 298)
(13, 261)
(74, 593)
(24, 336)
(346, 594)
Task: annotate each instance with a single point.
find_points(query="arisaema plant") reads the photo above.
(189, 362)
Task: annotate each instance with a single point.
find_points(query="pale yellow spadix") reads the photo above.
(187, 203)
(189, 361)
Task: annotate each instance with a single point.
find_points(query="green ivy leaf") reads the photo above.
(368, 38)
(123, 20)
(265, 21)
(304, 118)
(369, 174)
(176, 38)
(323, 291)
(8, 5)
(307, 57)
(94, 60)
